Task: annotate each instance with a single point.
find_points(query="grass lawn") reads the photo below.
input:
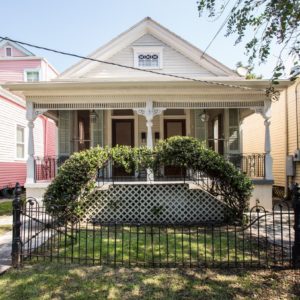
(5, 208)
(144, 246)
(56, 281)
(5, 228)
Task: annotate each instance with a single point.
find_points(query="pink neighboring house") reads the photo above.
(17, 64)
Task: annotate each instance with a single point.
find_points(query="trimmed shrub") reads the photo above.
(223, 179)
(76, 177)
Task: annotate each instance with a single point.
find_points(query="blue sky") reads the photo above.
(81, 26)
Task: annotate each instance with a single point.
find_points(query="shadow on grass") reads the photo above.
(56, 281)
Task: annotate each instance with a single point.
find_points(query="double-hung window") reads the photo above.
(20, 142)
(32, 75)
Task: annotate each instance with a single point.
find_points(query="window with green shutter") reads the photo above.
(64, 132)
(200, 126)
(97, 129)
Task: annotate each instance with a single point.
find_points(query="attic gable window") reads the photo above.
(146, 57)
(8, 51)
(148, 60)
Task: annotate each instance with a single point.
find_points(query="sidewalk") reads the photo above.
(5, 245)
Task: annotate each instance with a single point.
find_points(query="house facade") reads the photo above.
(284, 130)
(17, 64)
(149, 84)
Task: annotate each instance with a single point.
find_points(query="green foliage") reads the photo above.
(76, 178)
(224, 180)
(271, 21)
(74, 181)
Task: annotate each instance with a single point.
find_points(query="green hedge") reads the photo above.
(76, 178)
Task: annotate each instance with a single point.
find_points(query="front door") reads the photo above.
(173, 128)
(122, 134)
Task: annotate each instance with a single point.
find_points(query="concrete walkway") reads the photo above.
(5, 245)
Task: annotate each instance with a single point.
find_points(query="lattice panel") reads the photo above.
(155, 203)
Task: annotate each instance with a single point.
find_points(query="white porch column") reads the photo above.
(149, 112)
(266, 114)
(31, 115)
(30, 160)
(268, 158)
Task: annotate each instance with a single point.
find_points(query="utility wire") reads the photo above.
(221, 27)
(129, 67)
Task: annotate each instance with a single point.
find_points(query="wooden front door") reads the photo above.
(173, 128)
(122, 134)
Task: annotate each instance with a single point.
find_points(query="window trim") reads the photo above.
(11, 51)
(17, 143)
(32, 70)
(137, 50)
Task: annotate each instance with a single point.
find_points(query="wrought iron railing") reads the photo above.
(253, 165)
(46, 168)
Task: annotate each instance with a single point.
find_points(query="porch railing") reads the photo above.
(253, 165)
(46, 168)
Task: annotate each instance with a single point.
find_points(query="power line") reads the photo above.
(220, 28)
(129, 67)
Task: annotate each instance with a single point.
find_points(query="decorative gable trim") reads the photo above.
(149, 26)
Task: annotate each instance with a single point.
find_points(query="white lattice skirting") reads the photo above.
(153, 203)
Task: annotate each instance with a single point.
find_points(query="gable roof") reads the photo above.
(149, 26)
(4, 42)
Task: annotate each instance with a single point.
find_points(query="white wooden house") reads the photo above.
(106, 104)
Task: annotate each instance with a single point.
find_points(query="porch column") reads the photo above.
(149, 112)
(30, 125)
(268, 158)
(266, 114)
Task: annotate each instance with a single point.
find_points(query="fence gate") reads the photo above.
(263, 239)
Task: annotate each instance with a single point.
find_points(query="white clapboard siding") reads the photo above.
(173, 63)
(11, 116)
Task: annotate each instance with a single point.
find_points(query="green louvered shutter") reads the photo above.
(98, 129)
(234, 139)
(64, 132)
(200, 126)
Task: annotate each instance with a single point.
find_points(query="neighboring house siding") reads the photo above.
(11, 71)
(278, 140)
(12, 114)
(50, 137)
(252, 134)
(283, 131)
(292, 125)
(12, 172)
(173, 63)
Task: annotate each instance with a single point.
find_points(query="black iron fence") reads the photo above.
(264, 239)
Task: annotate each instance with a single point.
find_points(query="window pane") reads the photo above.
(8, 51)
(20, 135)
(32, 76)
(20, 151)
